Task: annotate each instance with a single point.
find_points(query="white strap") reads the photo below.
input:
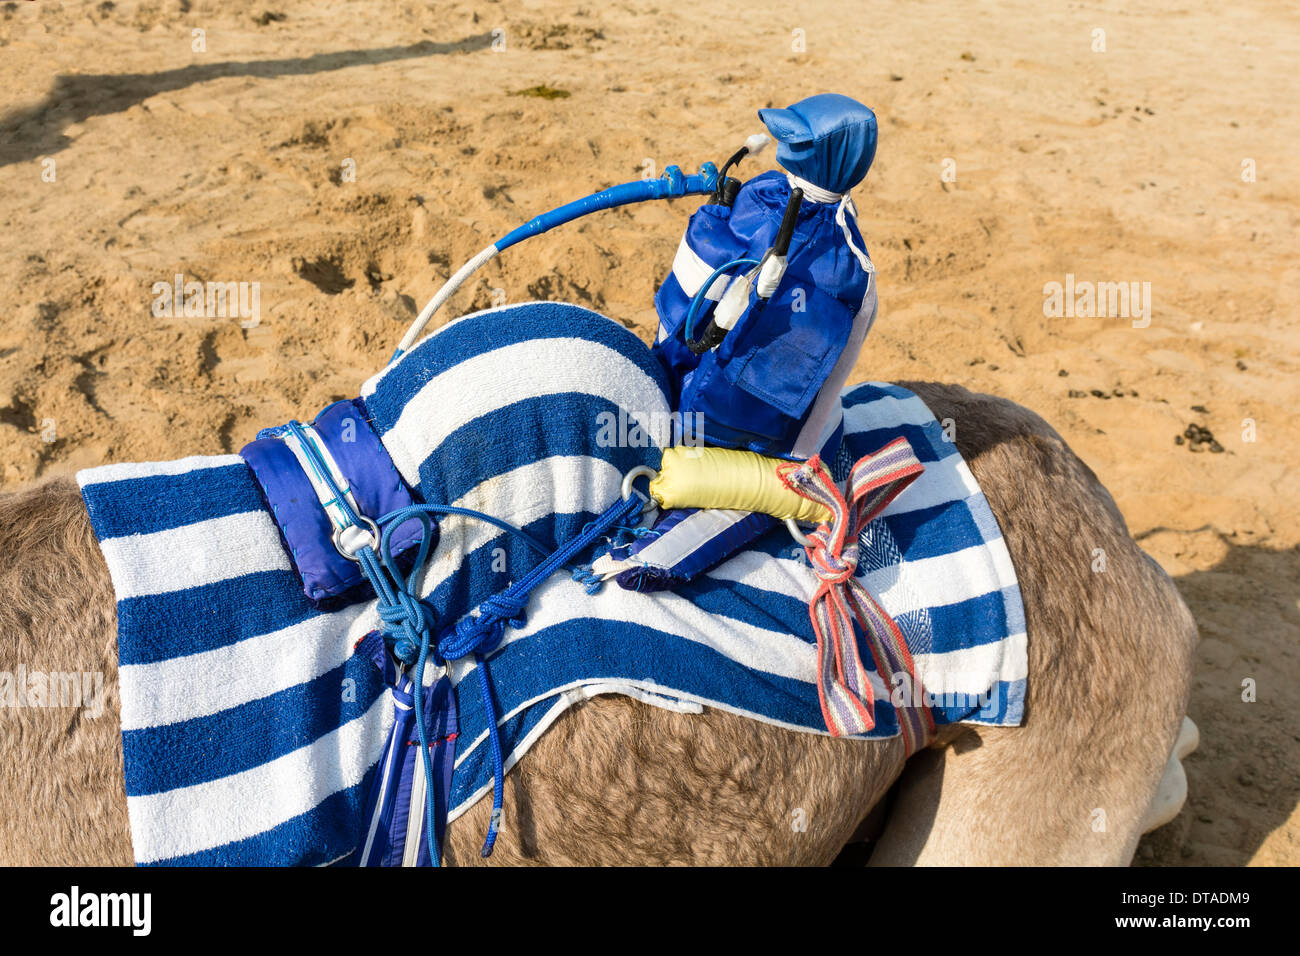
(816, 194)
(691, 271)
(846, 204)
(338, 517)
(812, 193)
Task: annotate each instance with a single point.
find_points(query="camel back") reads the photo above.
(254, 717)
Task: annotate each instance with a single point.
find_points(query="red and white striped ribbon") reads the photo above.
(847, 701)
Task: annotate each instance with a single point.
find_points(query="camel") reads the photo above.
(615, 781)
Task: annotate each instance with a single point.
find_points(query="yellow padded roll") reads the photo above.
(725, 478)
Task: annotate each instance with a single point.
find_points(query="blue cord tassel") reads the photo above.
(409, 621)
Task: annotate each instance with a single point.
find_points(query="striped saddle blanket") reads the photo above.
(251, 724)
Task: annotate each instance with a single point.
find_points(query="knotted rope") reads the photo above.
(409, 622)
(843, 687)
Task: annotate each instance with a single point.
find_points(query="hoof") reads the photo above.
(1172, 792)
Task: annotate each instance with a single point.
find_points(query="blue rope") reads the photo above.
(585, 574)
(409, 621)
(478, 635)
(702, 294)
(591, 581)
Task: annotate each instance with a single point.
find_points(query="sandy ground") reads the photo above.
(128, 156)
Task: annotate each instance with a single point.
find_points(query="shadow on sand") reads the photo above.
(1241, 780)
(38, 130)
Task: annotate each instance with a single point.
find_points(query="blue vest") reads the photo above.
(758, 389)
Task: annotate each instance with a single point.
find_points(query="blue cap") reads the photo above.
(828, 139)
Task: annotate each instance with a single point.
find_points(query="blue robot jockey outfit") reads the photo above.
(796, 325)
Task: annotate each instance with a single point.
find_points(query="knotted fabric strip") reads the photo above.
(843, 688)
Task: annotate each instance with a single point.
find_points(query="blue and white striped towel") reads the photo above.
(251, 730)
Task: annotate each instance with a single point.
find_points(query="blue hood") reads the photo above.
(827, 139)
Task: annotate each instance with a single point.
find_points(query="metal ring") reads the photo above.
(628, 490)
(374, 531)
(798, 535)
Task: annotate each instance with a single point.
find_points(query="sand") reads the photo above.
(1128, 164)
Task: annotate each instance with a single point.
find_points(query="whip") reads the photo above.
(671, 185)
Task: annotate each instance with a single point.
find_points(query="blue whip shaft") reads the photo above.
(668, 186)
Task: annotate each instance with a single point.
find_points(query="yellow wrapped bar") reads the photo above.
(726, 478)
